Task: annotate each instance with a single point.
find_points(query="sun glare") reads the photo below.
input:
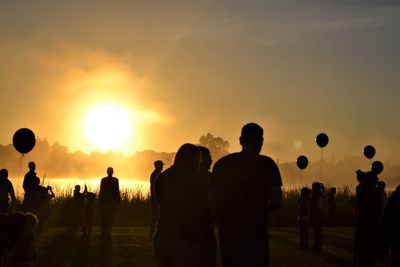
(108, 127)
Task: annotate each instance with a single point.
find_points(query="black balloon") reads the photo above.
(24, 140)
(377, 167)
(302, 162)
(369, 152)
(322, 140)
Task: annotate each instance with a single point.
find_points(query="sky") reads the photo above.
(184, 68)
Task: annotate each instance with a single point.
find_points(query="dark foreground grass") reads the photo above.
(130, 246)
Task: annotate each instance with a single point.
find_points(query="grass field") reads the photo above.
(130, 247)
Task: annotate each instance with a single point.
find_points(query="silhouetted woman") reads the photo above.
(181, 206)
(208, 250)
(6, 192)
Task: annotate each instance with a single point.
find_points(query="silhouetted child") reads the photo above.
(78, 206)
(88, 212)
(303, 216)
(42, 206)
(316, 214)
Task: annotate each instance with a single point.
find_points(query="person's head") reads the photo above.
(77, 188)
(305, 192)
(3, 174)
(187, 157)
(251, 138)
(360, 176)
(332, 190)
(205, 158)
(32, 166)
(381, 185)
(316, 187)
(158, 165)
(110, 171)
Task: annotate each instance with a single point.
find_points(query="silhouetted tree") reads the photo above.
(217, 145)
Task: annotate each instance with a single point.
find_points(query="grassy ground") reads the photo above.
(130, 247)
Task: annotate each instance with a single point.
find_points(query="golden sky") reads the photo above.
(181, 69)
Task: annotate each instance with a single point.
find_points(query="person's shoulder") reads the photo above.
(228, 159)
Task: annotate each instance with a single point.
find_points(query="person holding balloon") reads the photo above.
(6, 192)
(29, 185)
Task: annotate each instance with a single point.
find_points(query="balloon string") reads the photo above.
(20, 165)
(320, 167)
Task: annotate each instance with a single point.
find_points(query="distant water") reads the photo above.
(65, 186)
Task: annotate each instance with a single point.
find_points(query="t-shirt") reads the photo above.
(241, 183)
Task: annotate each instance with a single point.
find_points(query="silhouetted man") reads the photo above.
(368, 226)
(30, 183)
(109, 198)
(158, 167)
(247, 186)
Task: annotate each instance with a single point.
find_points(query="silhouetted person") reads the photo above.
(332, 204)
(42, 206)
(158, 167)
(180, 197)
(208, 250)
(17, 235)
(30, 182)
(247, 187)
(316, 214)
(109, 201)
(303, 216)
(6, 192)
(391, 226)
(370, 209)
(88, 213)
(78, 206)
(360, 179)
(384, 244)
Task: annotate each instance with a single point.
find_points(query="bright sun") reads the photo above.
(108, 127)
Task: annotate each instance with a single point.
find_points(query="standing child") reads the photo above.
(88, 213)
(303, 216)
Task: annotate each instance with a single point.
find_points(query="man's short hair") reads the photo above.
(158, 163)
(251, 133)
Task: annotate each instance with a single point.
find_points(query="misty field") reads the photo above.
(130, 246)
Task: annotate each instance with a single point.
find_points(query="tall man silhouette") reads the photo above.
(247, 186)
(109, 198)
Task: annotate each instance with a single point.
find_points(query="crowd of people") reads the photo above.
(20, 230)
(189, 201)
